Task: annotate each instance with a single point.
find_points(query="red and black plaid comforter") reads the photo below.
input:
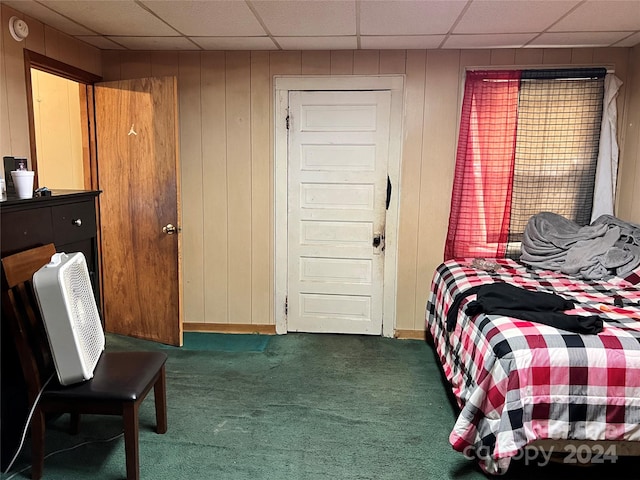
(518, 381)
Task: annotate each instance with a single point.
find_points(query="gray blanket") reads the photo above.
(608, 247)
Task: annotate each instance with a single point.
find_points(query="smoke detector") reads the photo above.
(18, 28)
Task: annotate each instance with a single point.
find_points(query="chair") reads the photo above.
(121, 379)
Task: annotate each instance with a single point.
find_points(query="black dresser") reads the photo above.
(67, 219)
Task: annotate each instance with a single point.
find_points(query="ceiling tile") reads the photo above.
(408, 17)
(208, 18)
(574, 39)
(114, 17)
(408, 42)
(49, 17)
(629, 41)
(594, 16)
(508, 16)
(317, 43)
(235, 43)
(307, 18)
(507, 40)
(101, 42)
(155, 43)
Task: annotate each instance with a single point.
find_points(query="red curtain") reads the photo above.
(482, 186)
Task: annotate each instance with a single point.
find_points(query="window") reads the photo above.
(528, 142)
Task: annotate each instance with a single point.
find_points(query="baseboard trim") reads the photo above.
(410, 334)
(229, 328)
(271, 329)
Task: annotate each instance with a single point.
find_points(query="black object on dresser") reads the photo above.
(66, 218)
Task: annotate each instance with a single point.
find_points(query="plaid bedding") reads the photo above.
(517, 381)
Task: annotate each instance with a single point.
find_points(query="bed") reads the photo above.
(520, 383)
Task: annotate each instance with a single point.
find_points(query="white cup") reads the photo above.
(23, 180)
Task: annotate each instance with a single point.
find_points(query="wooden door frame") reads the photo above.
(60, 69)
(282, 85)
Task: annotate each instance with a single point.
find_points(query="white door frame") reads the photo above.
(282, 86)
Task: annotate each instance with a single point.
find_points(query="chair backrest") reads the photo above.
(21, 314)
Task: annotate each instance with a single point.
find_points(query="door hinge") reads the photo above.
(287, 122)
(286, 305)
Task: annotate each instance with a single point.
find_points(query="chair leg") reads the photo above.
(37, 444)
(130, 419)
(160, 396)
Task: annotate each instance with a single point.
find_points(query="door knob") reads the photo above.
(169, 229)
(378, 243)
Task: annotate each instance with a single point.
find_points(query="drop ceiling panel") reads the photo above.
(47, 16)
(235, 43)
(591, 39)
(408, 17)
(210, 18)
(629, 41)
(156, 43)
(507, 40)
(100, 42)
(594, 16)
(305, 18)
(114, 17)
(317, 43)
(508, 16)
(409, 42)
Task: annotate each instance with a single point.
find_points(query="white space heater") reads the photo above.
(68, 307)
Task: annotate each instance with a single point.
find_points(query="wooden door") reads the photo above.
(138, 174)
(337, 184)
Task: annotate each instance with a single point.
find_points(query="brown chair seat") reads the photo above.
(118, 376)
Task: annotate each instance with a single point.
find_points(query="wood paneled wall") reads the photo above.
(226, 149)
(628, 206)
(226, 135)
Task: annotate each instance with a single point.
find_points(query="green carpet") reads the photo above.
(307, 407)
(219, 342)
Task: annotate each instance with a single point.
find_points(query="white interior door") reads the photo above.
(337, 191)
